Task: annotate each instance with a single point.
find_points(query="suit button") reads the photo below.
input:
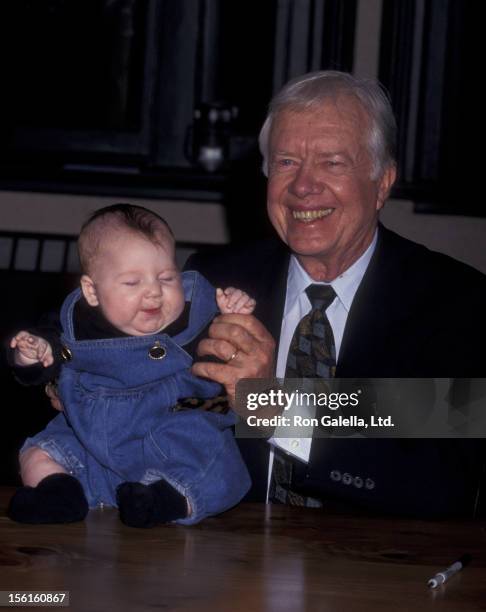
(335, 475)
(358, 482)
(347, 478)
(369, 483)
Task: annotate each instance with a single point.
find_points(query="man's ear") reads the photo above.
(89, 290)
(386, 183)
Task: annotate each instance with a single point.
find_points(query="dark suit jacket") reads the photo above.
(416, 314)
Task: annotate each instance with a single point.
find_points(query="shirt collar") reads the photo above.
(345, 285)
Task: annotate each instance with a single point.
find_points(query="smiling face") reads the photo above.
(321, 198)
(135, 282)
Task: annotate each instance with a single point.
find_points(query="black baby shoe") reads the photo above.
(149, 505)
(58, 498)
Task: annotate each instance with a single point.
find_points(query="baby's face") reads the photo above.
(137, 284)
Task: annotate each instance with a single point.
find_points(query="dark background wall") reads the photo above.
(143, 97)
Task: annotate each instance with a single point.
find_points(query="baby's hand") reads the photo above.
(233, 300)
(30, 349)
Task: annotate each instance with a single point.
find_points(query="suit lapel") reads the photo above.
(373, 312)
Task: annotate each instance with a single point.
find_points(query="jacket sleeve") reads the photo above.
(49, 328)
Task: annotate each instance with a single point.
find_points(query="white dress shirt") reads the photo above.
(297, 305)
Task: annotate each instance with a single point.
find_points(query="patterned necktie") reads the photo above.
(312, 354)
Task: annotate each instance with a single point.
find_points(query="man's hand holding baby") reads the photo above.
(30, 349)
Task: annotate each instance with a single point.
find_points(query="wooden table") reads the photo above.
(251, 558)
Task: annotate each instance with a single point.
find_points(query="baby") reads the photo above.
(127, 335)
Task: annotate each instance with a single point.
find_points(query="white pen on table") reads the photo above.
(441, 577)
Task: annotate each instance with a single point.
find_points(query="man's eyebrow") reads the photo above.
(329, 153)
(332, 153)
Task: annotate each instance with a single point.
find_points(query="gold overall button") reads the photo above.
(66, 354)
(157, 351)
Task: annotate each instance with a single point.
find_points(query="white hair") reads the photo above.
(310, 90)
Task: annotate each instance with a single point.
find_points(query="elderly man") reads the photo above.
(394, 308)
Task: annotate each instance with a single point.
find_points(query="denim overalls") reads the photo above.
(118, 424)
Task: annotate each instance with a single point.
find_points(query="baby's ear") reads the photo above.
(89, 290)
